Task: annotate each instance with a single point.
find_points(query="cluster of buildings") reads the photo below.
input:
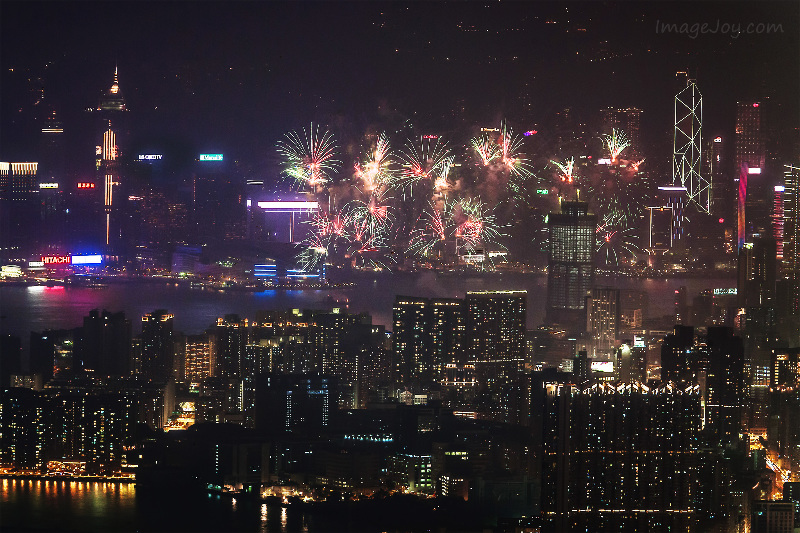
(554, 429)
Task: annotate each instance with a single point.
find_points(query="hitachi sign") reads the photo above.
(56, 259)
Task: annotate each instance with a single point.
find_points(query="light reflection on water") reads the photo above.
(66, 505)
(81, 506)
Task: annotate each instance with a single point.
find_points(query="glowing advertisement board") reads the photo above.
(48, 185)
(150, 157)
(603, 366)
(211, 157)
(85, 185)
(61, 260)
(95, 259)
(725, 292)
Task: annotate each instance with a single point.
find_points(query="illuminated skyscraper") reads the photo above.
(722, 192)
(686, 159)
(778, 219)
(570, 263)
(603, 320)
(110, 111)
(791, 222)
(754, 188)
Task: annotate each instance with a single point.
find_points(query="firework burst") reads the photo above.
(377, 172)
(616, 242)
(566, 170)
(615, 144)
(473, 225)
(486, 148)
(310, 158)
(621, 189)
(430, 232)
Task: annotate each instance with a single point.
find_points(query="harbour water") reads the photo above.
(26, 309)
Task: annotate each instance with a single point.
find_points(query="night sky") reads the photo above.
(234, 76)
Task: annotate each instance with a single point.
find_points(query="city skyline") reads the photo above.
(507, 266)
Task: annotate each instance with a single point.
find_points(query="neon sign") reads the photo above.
(85, 185)
(211, 157)
(56, 259)
(150, 157)
(48, 185)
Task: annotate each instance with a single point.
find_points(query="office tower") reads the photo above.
(791, 222)
(687, 142)
(778, 220)
(750, 135)
(620, 458)
(755, 189)
(495, 325)
(570, 263)
(631, 360)
(660, 229)
(410, 339)
(157, 346)
(19, 210)
(110, 112)
(198, 363)
(675, 197)
(105, 343)
(757, 271)
(722, 189)
(447, 331)
(52, 155)
(603, 310)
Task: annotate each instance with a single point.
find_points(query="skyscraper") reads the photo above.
(755, 192)
(791, 222)
(687, 141)
(110, 110)
(570, 263)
